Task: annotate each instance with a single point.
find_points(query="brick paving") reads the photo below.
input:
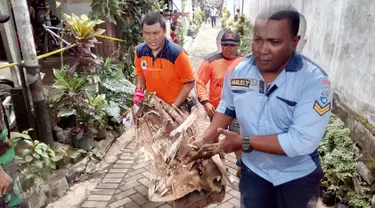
(125, 185)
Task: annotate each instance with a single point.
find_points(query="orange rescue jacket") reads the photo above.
(166, 73)
(213, 69)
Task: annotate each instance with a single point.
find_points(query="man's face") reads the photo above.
(154, 36)
(273, 44)
(229, 51)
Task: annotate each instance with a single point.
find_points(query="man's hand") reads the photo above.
(6, 182)
(138, 97)
(210, 109)
(231, 143)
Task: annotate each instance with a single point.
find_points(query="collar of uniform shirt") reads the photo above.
(160, 53)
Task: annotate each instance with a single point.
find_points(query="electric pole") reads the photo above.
(42, 120)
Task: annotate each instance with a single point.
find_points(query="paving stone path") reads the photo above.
(125, 185)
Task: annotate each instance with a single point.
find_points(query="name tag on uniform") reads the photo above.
(243, 85)
(241, 82)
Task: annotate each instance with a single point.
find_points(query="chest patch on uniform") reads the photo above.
(321, 109)
(243, 82)
(144, 64)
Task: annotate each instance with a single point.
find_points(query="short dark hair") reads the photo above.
(173, 27)
(280, 13)
(153, 18)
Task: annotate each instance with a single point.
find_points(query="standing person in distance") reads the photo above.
(213, 14)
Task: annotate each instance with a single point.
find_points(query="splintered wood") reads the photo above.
(163, 133)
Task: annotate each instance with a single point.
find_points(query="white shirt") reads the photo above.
(213, 12)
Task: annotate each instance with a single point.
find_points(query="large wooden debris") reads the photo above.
(164, 133)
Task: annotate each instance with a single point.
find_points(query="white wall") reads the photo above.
(178, 4)
(233, 4)
(76, 8)
(341, 39)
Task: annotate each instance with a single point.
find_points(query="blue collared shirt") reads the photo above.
(296, 107)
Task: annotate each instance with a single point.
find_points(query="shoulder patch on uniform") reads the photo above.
(241, 82)
(321, 109)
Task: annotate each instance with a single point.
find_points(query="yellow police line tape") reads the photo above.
(111, 38)
(60, 50)
(41, 56)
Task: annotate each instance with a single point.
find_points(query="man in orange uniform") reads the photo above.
(213, 69)
(161, 65)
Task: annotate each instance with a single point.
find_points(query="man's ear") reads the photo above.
(295, 41)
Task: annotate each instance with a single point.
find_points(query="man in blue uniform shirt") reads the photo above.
(282, 100)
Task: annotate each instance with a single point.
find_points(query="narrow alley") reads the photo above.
(125, 185)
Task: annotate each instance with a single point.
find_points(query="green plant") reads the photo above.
(72, 84)
(36, 163)
(83, 28)
(244, 29)
(198, 18)
(72, 90)
(118, 90)
(357, 201)
(225, 18)
(90, 113)
(98, 104)
(84, 32)
(107, 9)
(338, 160)
(180, 32)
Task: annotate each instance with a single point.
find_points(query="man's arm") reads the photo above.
(184, 93)
(203, 76)
(224, 115)
(310, 120)
(5, 182)
(186, 76)
(219, 120)
(140, 81)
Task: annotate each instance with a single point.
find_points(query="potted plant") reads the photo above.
(82, 135)
(327, 193)
(72, 88)
(99, 118)
(84, 32)
(338, 162)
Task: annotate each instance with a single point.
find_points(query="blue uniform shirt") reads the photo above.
(296, 107)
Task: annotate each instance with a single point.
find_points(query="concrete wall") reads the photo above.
(341, 39)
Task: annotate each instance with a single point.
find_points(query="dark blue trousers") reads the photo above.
(259, 193)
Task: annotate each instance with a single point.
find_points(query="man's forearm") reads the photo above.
(140, 83)
(219, 121)
(268, 144)
(184, 94)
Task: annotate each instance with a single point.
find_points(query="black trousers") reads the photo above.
(259, 193)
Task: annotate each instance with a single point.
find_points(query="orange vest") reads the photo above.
(166, 73)
(213, 69)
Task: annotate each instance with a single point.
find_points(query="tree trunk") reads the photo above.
(43, 125)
